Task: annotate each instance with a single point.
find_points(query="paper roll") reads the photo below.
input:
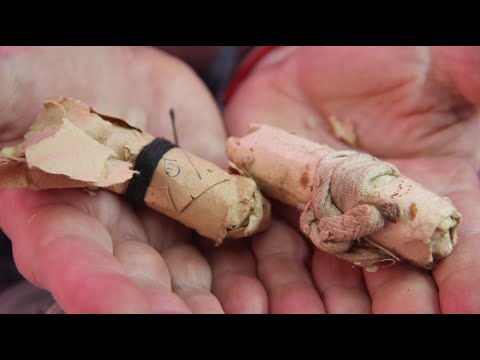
(72, 146)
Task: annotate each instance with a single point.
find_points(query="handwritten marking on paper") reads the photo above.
(171, 168)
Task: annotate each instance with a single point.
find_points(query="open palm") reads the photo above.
(413, 106)
(96, 254)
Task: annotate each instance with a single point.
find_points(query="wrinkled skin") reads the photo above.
(96, 254)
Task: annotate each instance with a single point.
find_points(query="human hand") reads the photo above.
(91, 253)
(96, 254)
(413, 106)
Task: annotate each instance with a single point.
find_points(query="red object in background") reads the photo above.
(245, 68)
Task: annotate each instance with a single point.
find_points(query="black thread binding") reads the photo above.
(146, 164)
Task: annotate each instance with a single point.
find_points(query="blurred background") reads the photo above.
(215, 65)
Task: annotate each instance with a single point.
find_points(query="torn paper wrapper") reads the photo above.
(355, 206)
(72, 146)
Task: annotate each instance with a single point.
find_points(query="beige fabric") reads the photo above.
(339, 215)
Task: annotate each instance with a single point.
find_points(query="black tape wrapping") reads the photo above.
(146, 163)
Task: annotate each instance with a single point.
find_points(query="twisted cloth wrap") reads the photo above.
(342, 210)
(355, 206)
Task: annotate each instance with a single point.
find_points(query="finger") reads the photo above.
(191, 277)
(341, 287)
(340, 284)
(143, 263)
(68, 252)
(458, 275)
(147, 268)
(281, 255)
(131, 246)
(402, 289)
(140, 261)
(235, 281)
